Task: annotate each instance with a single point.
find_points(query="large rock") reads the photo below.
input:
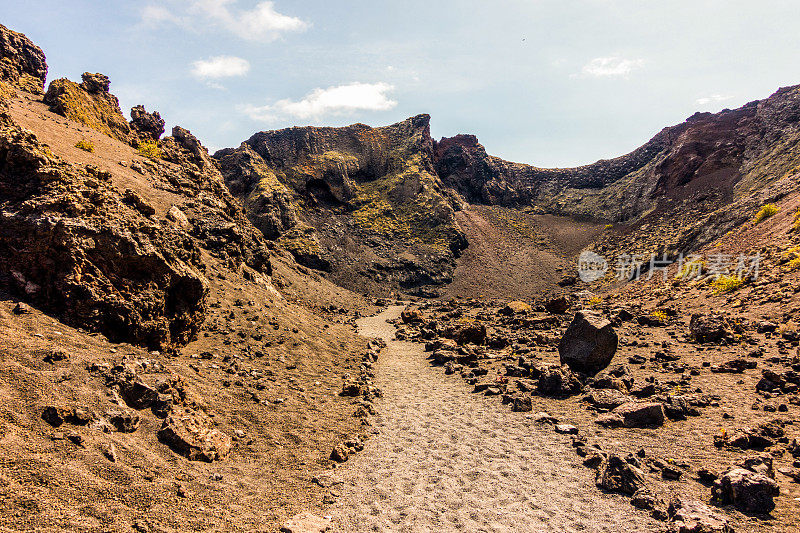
(558, 381)
(615, 474)
(469, 333)
(557, 306)
(89, 103)
(747, 490)
(607, 398)
(692, 516)
(411, 316)
(589, 343)
(22, 63)
(707, 328)
(634, 415)
(147, 126)
(191, 433)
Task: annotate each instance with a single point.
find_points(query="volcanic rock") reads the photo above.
(707, 328)
(22, 63)
(89, 103)
(589, 343)
(191, 433)
(691, 516)
(615, 474)
(748, 490)
(147, 126)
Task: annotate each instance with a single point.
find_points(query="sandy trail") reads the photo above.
(448, 460)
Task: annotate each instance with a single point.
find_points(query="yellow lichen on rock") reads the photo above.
(89, 103)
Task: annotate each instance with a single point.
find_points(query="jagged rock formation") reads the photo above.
(71, 243)
(146, 126)
(89, 103)
(364, 203)
(22, 63)
(216, 218)
(96, 255)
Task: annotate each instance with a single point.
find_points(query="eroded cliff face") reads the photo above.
(363, 203)
(73, 244)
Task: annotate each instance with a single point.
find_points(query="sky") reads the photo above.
(552, 83)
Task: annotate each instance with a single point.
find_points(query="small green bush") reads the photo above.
(149, 149)
(86, 146)
(766, 212)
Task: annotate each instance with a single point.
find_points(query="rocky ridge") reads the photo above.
(346, 200)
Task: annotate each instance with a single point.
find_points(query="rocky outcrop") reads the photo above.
(267, 200)
(70, 244)
(146, 126)
(463, 164)
(364, 203)
(22, 63)
(215, 218)
(89, 103)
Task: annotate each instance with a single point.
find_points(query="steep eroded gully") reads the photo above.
(447, 460)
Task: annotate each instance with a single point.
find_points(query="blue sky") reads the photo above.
(547, 82)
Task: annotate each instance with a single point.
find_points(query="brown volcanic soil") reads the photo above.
(514, 254)
(732, 399)
(446, 460)
(268, 365)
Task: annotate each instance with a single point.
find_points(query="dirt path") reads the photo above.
(447, 460)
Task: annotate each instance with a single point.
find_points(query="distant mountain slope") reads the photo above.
(376, 204)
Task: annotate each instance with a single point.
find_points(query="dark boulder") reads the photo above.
(707, 328)
(615, 474)
(589, 343)
(747, 490)
(557, 306)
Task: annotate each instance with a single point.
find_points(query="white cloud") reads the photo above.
(262, 23)
(611, 67)
(220, 67)
(339, 100)
(713, 99)
(154, 15)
